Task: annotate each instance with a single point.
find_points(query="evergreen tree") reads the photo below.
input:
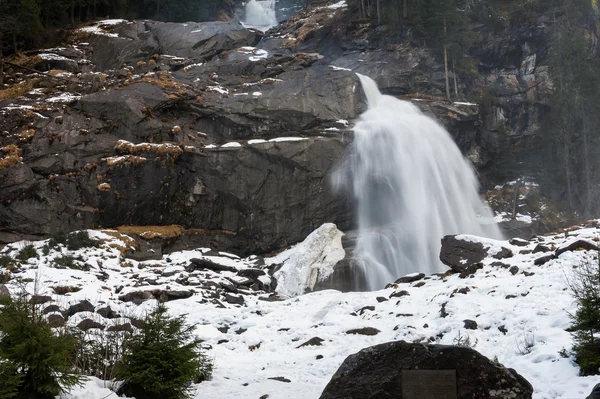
(31, 352)
(10, 380)
(585, 288)
(162, 360)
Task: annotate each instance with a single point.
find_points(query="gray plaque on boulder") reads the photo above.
(428, 384)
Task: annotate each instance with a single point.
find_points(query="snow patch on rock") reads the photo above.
(309, 262)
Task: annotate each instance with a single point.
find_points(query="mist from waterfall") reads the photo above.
(260, 14)
(412, 186)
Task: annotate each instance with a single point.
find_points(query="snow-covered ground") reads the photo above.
(521, 317)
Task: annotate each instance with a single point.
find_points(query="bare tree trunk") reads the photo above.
(1, 59)
(14, 37)
(157, 9)
(446, 63)
(586, 162)
(455, 82)
(405, 9)
(516, 199)
(378, 13)
(72, 13)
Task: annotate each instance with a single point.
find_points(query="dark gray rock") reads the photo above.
(410, 278)
(201, 40)
(376, 372)
(50, 61)
(460, 254)
(314, 341)
(4, 292)
(108, 313)
(583, 244)
(595, 394)
(51, 309)
(364, 331)
(281, 379)
(234, 299)
(544, 259)
(89, 324)
(40, 299)
(470, 324)
(203, 263)
(56, 320)
(82, 306)
(401, 293)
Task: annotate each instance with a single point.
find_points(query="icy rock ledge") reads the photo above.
(309, 262)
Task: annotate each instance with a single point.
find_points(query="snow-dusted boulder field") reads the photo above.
(515, 310)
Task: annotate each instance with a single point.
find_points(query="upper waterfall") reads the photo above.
(260, 14)
(412, 186)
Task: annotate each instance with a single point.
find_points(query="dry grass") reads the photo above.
(159, 149)
(103, 187)
(161, 79)
(123, 159)
(204, 232)
(27, 135)
(28, 61)
(150, 232)
(12, 156)
(17, 90)
(128, 241)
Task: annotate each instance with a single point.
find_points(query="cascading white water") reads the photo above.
(412, 186)
(260, 14)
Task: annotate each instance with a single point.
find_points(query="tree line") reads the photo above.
(569, 162)
(30, 23)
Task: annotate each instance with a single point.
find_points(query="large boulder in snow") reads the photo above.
(379, 372)
(309, 262)
(460, 252)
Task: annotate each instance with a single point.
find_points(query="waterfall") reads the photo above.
(411, 186)
(260, 14)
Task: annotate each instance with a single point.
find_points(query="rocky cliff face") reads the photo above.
(214, 127)
(178, 124)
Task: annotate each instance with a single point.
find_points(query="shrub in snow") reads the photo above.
(34, 362)
(162, 360)
(585, 287)
(27, 252)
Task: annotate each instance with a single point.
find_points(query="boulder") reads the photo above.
(377, 372)
(82, 306)
(88, 324)
(314, 341)
(595, 394)
(313, 260)
(4, 292)
(40, 299)
(364, 331)
(204, 263)
(121, 327)
(459, 252)
(107, 313)
(410, 278)
(56, 320)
